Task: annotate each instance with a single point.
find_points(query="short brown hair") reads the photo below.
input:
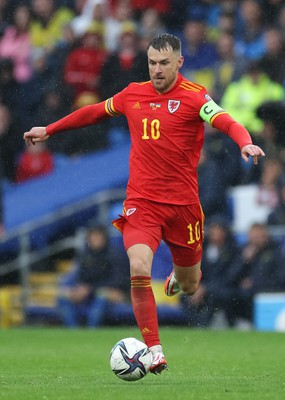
(164, 41)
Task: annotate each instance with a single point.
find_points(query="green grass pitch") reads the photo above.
(59, 364)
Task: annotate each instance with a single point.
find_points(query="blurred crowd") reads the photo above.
(59, 55)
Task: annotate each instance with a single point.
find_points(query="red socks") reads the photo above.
(144, 308)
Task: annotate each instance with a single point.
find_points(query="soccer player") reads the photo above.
(166, 118)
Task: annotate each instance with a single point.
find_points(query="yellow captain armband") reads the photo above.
(109, 107)
(210, 110)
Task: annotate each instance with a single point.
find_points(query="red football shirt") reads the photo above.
(167, 134)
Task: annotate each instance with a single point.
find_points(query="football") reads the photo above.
(130, 359)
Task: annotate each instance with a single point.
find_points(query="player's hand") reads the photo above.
(36, 134)
(253, 151)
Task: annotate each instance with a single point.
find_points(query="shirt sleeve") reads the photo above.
(119, 100)
(88, 115)
(214, 115)
(237, 132)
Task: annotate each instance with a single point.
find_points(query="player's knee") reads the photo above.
(139, 266)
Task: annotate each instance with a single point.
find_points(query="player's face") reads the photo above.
(163, 68)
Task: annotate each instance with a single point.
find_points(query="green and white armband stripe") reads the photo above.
(209, 111)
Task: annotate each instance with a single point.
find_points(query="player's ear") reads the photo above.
(180, 62)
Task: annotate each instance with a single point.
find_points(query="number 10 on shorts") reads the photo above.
(194, 233)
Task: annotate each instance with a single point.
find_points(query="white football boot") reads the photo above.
(171, 286)
(159, 362)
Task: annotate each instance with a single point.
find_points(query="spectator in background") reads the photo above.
(47, 24)
(150, 24)
(277, 215)
(125, 65)
(98, 19)
(54, 105)
(225, 154)
(34, 162)
(273, 60)
(84, 64)
(281, 20)
(272, 8)
(272, 113)
(175, 18)
(11, 92)
(272, 137)
(216, 289)
(227, 22)
(84, 11)
(16, 45)
(3, 16)
(199, 55)
(229, 66)
(58, 56)
(250, 38)
(212, 185)
(99, 280)
(263, 181)
(44, 79)
(120, 13)
(10, 144)
(220, 17)
(267, 191)
(244, 96)
(257, 269)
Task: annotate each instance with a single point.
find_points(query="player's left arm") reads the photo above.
(214, 115)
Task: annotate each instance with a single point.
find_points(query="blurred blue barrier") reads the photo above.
(69, 183)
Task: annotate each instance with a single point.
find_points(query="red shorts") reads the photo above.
(181, 227)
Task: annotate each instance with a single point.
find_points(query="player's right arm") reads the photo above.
(221, 120)
(88, 115)
(36, 134)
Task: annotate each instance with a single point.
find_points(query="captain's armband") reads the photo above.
(110, 109)
(210, 110)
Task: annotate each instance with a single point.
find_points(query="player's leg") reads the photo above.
(185, 240)
(143, 302)
(185, 279)
(142, 234)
